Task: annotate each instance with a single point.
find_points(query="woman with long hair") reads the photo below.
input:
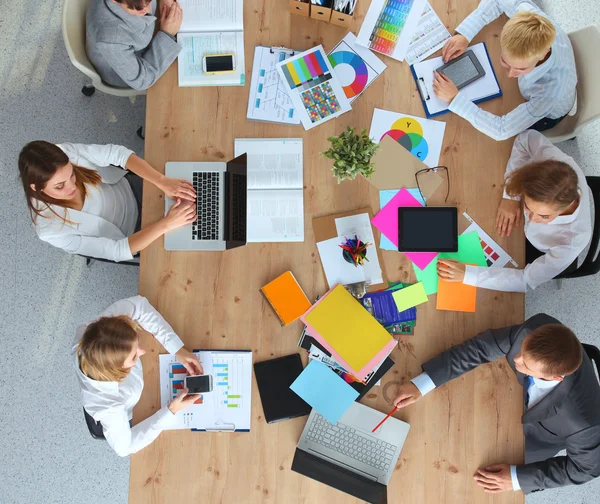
(110, 376)
(82, 198)
(548, 190)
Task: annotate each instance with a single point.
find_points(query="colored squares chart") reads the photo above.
(409, 133)
(351, 70)
(491, 256)
(389, 25)
(307, 71)
(228, 385)
(320, 102)
(177, 374)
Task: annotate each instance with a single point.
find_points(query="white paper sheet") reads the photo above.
(317, 95)
(275, 216)
(481, 88)
(495, 255)
(429, 37)
(409, 13)
(355, 66)
(269, 99)
(422, 137)
(212, 15)
(228, 406)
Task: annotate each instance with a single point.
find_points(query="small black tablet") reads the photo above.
(274, 378)
(463, 70)
(427, 229)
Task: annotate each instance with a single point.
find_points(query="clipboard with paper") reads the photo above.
(227, 408)
(479, 91)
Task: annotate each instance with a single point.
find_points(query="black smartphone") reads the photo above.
(199, 384)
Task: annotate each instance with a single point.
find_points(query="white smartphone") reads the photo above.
(199, 384)
(218, 63)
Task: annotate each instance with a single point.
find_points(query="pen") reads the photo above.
(388, 416)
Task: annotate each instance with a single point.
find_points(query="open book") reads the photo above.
(211, 27)
(275, 189)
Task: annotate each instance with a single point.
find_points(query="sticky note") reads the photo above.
(324, 390)
(456, 296)
(410, 296)
(469, 251)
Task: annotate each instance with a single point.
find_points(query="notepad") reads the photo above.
(410, 296)
(324, 390)
(286, 297)
(347, 330)
(481, 90)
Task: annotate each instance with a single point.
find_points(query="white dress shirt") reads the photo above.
(549, 88)
(562, 241)
(88, 234)
(111, 403)
(538, 390)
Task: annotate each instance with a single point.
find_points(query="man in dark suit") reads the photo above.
(562, 401)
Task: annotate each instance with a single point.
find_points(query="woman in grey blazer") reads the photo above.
(121, 43)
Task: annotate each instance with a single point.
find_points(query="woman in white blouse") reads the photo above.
(83, 200)
(109, 372)
(550, 191)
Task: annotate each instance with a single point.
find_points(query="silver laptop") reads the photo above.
(221, 190)
(348, 456)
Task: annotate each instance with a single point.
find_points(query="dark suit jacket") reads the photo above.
(567, 418)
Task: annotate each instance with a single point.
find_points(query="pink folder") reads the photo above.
(361, 374)
(386, 221)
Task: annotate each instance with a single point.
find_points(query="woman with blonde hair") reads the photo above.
(547, 188)
(83, 199)
(109, 372)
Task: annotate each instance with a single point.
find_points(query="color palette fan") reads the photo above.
(307, 71)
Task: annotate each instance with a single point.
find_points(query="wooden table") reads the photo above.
(212, 299)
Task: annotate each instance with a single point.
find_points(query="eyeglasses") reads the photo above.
(434, 170)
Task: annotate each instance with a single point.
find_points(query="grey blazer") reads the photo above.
(567, 418)
(123, 48)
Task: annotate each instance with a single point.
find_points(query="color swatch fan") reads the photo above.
(355, 66)
(315, 90)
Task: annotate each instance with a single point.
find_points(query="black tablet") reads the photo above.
(274, 378)
(463, 70)
(427, 229)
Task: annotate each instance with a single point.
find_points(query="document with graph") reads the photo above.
(228, 406)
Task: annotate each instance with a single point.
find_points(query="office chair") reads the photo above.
(134, 262)
(73, 30)
(94, 427)
(591, 263)
(586, 42)
(594, 354)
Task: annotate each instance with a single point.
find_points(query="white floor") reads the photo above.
(46, 453)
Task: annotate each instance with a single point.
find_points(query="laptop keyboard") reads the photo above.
(238, 207)
(207, 203)
(353, 443)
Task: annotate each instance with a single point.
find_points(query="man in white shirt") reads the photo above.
(535, 51)
(562, 401)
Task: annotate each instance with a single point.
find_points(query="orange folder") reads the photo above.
(456, 296)
(286, 297)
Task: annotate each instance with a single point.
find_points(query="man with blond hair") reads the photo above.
(535, 51)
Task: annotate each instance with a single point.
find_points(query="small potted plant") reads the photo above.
(351, 154)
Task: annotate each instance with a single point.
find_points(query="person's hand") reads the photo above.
(180, 214)
(182, 401)
(508, 216)
(171, 18)
(407, 394)
(167, 4)
(454, 47)
(177, 188)
(494, 478)
(189, 361)
(450, 270)
(443, 87)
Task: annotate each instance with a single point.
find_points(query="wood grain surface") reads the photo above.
(212, 299)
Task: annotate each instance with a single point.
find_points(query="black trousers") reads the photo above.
(546, 123)
(137, 186)
(531, 254)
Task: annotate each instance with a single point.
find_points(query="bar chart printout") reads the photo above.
(228, 379)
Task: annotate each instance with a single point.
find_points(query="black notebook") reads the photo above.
(274, 378)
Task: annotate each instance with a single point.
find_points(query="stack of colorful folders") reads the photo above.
(382, 306)
(349, 332)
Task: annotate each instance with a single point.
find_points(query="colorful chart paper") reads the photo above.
(421, 137)
(495, 255)
(469, 252)
(324, 390)
(410, 296)
(386, 221)
(315, 91)
(355, 66)
(385, 197)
